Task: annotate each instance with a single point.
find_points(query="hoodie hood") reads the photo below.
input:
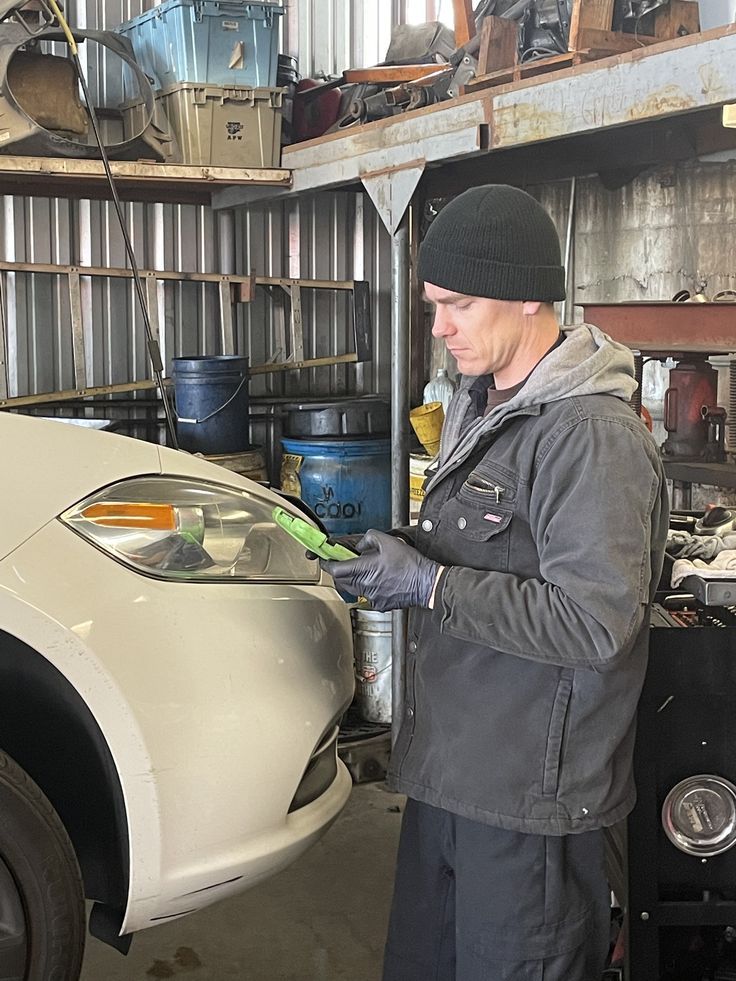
(588, 363)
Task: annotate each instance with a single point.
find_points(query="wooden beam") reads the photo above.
(389, 74)
(587, 15)
(499, 44)
(613, 42)
(676, 19)
(464, 21)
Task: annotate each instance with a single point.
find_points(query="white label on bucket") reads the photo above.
(230, 25)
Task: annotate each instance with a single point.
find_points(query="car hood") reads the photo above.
(49, 466)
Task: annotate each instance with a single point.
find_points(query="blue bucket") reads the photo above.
(212, 403)
(346, 482)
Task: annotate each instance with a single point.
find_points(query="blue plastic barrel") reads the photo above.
(212, 403)
(346, 482)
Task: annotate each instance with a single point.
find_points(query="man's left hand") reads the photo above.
(389, 573)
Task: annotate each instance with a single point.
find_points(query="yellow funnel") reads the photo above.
(426, 421)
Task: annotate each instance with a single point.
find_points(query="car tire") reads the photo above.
(42, 928)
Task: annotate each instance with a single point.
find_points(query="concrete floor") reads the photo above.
(322, 919)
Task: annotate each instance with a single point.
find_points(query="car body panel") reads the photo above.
(66, 462)
(212, 696)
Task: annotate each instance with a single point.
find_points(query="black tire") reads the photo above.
(42, 928)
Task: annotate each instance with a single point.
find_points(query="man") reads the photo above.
(529, 576)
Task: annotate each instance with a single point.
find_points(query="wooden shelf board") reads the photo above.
(136, 180)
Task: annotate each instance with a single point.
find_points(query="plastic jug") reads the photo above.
(439, 389)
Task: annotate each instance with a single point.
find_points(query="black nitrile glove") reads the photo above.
(392, 575)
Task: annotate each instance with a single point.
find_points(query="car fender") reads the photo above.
(67, 652)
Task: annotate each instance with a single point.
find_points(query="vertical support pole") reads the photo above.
(152, 302)
(279, 322)
(400, 374)
(568, 312)
(3, 332)
(682, 495)
(78, 348)
(420, 337)
(227, 332)
(297, 322)
(226, 243)
(399, 440)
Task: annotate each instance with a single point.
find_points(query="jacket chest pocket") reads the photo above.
(475, 533)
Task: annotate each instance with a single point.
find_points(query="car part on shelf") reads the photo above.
(628, 13)
(545, 29)
(32, 17)
(22, 133)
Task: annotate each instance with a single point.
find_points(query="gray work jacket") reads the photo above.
(522, 683)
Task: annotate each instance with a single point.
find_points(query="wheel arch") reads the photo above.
(45, 726)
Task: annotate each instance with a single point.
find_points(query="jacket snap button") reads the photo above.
(427, 525)
(412, 646)
(410, 712)
(462, 523)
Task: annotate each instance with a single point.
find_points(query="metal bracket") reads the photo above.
(391, 192)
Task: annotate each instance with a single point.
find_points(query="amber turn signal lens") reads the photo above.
(157, 517)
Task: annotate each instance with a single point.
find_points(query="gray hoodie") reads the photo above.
(550, 515)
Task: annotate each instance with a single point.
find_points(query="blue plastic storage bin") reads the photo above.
(208, 41)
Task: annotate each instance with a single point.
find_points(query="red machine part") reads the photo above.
(688, 402)
(314, 114)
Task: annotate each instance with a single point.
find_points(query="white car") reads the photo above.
(173, 670)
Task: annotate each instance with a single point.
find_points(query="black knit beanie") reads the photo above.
(495, 241)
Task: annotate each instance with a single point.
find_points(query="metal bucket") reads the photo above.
(372, 652)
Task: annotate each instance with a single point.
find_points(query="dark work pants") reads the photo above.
(477, 903)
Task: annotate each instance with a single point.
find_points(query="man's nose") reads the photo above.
(442, 325)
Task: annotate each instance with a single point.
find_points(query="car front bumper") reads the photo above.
(213, 698)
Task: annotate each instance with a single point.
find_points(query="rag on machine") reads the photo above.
(709, 558)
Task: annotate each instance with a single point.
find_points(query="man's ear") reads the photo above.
(530, 308)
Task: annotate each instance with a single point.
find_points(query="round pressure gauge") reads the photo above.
(699, 815)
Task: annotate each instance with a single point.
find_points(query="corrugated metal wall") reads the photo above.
(662, 232)
(335, 236)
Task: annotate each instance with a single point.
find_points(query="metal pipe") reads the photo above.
(226, 235)
(399, 442)
(567, 310)
(400, 375)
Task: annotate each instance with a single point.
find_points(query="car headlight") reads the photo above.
(179, 528)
